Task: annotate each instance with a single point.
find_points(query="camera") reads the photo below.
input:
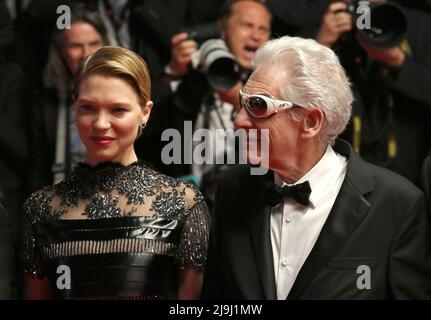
(202, 32)
(218, 64)
(388, 23)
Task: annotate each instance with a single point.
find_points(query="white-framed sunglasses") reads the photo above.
(261, 106)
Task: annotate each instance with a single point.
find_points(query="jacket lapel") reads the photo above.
(261, 240)
(349, 209)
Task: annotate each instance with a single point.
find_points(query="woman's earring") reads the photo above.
(141, 128)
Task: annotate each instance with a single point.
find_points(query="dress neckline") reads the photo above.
(106, 164)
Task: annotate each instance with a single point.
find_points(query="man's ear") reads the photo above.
(313, 122)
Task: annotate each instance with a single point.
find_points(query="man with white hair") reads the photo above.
(323, 223)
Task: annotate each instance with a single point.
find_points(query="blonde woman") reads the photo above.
(114, 228)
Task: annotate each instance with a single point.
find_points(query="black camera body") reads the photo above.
(202, 32)
(388, 23)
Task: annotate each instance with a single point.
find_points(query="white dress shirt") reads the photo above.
(295, 228)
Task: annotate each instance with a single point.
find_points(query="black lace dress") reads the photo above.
(115, 231)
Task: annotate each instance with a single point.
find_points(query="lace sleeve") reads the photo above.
(192, 250)
(29, 253)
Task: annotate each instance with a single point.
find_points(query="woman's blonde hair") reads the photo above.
(117, 62)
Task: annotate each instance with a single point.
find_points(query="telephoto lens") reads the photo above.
(220, 66)
(388, 24)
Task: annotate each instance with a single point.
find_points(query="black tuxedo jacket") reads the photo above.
(378, 219)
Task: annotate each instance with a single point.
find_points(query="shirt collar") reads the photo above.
(320, 177)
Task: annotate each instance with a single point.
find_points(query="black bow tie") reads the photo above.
(299, 192)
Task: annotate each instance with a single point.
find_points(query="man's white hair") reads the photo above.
(315, 79)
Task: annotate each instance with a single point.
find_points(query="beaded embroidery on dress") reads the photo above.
(112, 212)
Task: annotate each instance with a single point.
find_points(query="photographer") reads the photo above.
(244, 27)
(390, 125)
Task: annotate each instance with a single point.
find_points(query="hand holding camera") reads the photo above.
(181, 54)
(392, 57)
(186, 43)
(336, 21)
(212, 58)
(380, 38)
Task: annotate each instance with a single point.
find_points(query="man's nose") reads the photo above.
(86, 51)
(256, 34)
(242, 120)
